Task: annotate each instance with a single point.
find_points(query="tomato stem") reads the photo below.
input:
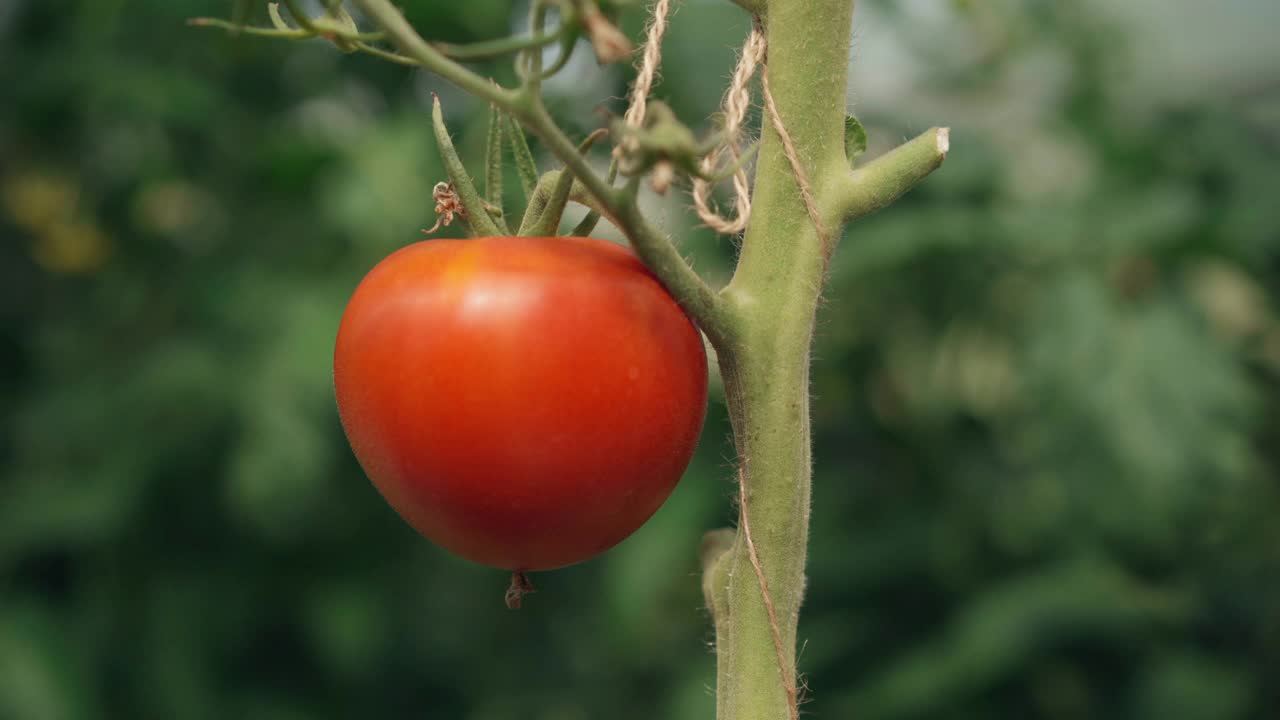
(520, 586)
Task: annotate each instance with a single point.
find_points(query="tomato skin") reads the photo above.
(526, 403)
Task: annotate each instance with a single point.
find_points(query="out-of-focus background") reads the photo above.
(1047, 435)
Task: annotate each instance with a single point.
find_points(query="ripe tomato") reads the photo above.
(526, 403)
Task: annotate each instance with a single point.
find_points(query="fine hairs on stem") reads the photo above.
(787, 673)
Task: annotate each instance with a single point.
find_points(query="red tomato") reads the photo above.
(526, 403)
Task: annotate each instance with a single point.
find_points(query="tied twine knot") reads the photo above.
(734, 107)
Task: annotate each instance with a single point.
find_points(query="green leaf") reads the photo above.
(478, 218)
(855, 138)
(524, 158)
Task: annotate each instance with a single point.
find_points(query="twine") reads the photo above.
(647, 71)
(793, 157)
(735, 104)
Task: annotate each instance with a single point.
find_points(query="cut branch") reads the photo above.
(885, 179)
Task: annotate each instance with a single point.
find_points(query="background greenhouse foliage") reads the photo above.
(1047, 433)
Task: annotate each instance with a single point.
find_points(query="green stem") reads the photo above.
(775, 295)
(526, 166)
(775, 291)
(532, 60)
(493, 160)
(232, 27)
(385, 54)
(592, 218)
(538, 201)
(488, 49)
(546, 206)
(402, 35)
(883, 180)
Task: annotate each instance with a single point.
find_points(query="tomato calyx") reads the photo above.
(520, 586)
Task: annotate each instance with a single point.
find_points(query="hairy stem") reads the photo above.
(776, 290)
(755, 585)
(487, 49)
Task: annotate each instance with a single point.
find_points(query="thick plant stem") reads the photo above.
(775, 293)
(755, 584)
(878, 184)
(756, 668)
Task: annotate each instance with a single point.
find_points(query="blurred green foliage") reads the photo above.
(1047, 435)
